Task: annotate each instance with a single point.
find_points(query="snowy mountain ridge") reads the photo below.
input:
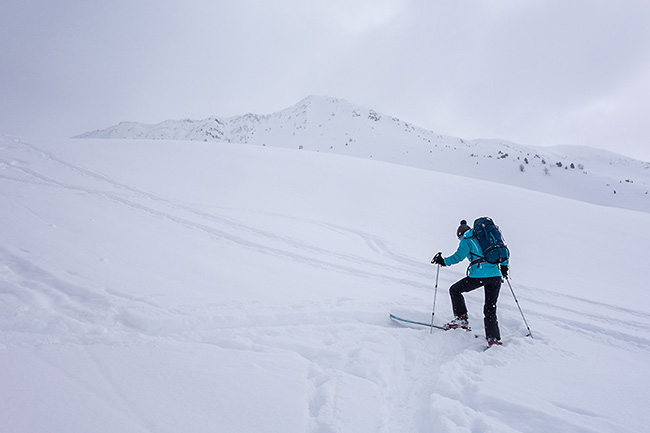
(325, 124)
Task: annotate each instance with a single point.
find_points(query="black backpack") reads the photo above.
(490, 239)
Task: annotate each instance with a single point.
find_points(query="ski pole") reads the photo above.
(522, 313)
(435, 295)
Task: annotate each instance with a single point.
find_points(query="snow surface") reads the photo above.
(330, 125)
(176, 286)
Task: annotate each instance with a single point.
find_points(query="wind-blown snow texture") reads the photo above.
(167, 286)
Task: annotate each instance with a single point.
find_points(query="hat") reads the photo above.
(462, 228)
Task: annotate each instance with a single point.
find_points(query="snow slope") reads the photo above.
(166, 286)
(330, 125)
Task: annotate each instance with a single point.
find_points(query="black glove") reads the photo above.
(504, 271)
(438, 260)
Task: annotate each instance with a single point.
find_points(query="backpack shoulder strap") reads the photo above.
(475, 258)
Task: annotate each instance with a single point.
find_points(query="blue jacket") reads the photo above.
(468, 248)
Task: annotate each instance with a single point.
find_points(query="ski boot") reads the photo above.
(492, 341)
(460, 322)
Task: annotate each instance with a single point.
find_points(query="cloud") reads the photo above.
(534, 72)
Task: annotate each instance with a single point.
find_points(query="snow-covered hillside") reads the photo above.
(168, 286)
(331, 125)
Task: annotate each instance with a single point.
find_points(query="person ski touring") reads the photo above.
(480, 273)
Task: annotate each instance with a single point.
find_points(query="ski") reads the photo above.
(415, 322)
(428, 325)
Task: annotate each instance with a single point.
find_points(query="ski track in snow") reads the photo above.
(429, 389)
(224, 228)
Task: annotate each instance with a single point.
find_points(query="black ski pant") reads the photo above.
(492, 287)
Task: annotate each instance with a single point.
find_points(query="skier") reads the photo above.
(480, 274)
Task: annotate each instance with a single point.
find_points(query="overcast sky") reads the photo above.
(537, 72)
